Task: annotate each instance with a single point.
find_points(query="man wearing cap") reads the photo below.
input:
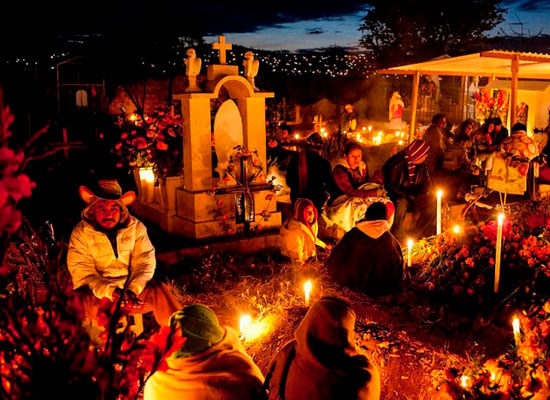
(211, 364)
(110, 252)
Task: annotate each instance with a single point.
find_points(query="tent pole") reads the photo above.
(514, 90)
(416, 81)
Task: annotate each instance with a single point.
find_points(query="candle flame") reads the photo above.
(358, 136)
(410, 244)
(493, 376)
(439, 193)
(133, 117)
(307, 290)
(457, 229)
(253, 329)
(370, 128)
(297, 136)
(500, 218)
(400, 143)
(515, 326)
(464, 381)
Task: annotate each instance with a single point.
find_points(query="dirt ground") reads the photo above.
(409, 348)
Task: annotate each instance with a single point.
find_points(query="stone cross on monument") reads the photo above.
(222, 47)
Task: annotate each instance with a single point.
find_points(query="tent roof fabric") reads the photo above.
(493, 63)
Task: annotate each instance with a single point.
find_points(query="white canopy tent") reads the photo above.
(493, 64)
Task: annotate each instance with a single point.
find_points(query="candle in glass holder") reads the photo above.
(500, 220)
(439, 195)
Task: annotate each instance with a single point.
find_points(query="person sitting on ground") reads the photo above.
(500, 132)
(299, 234)
(369, 257)
(437, 141)
(309, 173)
(211, 364)
(351, 190)
(323, 362)
(407, 182)
(110, 252)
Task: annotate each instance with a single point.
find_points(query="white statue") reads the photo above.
(192, 69)
(251, 67)
(396, 111)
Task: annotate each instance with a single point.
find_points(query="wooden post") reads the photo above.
(514, 90)
(416, 82)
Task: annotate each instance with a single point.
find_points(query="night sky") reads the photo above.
(278, 25)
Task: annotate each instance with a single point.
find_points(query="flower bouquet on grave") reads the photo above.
(152, 140)
(458, 270)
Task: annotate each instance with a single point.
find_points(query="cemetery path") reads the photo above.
(410, 349)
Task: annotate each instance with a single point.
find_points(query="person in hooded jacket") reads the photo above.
(323, 362)
(408, 182)
(369, 257)
(110, 254)
(299, 234)
(211, 364)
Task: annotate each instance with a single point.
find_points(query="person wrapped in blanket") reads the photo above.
(351, 189)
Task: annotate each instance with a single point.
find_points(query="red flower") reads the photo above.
(123, 135)
(118, 146)
(139, 142)
(162, 146)
(272, 143)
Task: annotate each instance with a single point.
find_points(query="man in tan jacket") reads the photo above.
(110, 252)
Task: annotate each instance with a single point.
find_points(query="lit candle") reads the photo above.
(297, 136)
(409, 247)
(457, 229)
(244, 323)
(516, 328)
(464, 381)
(370, 128)
(358, 136)
(439, 195)
(500, 220)
(307, 291)
(364, 129)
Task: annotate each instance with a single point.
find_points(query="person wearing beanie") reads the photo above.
(323, 362)
(308, 173)
(408, 182)
(298, 236)
(369, 258)
(110, 252)
(211, 364)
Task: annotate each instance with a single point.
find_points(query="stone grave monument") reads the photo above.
(239, 200)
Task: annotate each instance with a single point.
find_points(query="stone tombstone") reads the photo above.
(228, 132)
(240, 120)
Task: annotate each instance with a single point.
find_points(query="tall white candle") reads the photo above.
(500, 220)
(409, 247)
(438, 225)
